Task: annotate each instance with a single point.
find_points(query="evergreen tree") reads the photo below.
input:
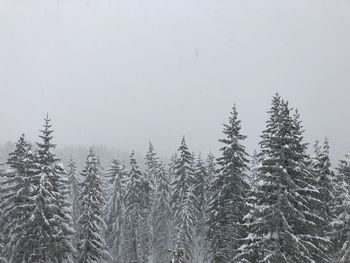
(285, 227)
(115, 208)
(74, 190)
(229, 191)
(2, 237)
(201, 191)
(137, 244)
(49, 228)
(16, 206)
(162, 218)
(340, 211)
(184, 201)
(152, 167)
(321, 169)
(92, 246)
(201, 187)
(152, 174)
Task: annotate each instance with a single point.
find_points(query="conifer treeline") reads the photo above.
(281, 205)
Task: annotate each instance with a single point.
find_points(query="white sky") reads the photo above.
(124, 72)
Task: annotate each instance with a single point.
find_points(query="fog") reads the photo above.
(121, 73)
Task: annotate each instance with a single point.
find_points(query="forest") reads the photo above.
(284, 203)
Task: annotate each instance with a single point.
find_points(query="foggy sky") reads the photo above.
(122, 73)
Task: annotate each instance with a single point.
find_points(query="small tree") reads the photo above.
(116, 208)
(184, 201)
(92, 246)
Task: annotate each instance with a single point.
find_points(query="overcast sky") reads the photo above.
(122, 73)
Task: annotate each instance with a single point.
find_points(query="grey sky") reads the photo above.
(124, 72)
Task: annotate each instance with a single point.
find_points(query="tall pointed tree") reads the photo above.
(324, 176)
(2, 234)
(152, 174)
(202, 193)
(49, 228)
(162, 218)
(184, 200)
(137, 244)
(340, 211)
(229, 191)
(285, 227)
(116, 209)
(92, 246)
(152, 167)
(74, 189)
(17, 204)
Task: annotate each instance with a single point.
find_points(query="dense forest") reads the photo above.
(283, 203)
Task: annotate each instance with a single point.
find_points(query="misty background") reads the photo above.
(121, 73)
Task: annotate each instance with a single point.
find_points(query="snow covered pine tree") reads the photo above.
(17, 205)
(184, 201)
(137, 236)
(49, 228)
(340, 211)
(285, 227)
(116, 209)
(229, 191)
(92, 247)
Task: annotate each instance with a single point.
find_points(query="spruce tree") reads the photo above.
(152, 167)
(17, 206)
(2, 235)
(284, 229)
(340, 211)
(184, 201)
(116, 208)
(92, 247)
(229, 191)
(162, 218)
(324, 176)
(201, 187)
(152, 174)
(49, 228)
(201, 191)
(137, 239)
(74, 189)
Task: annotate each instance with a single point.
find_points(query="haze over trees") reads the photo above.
(284, 203)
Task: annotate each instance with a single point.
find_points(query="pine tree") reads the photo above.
(321, 169)
(229, 191)
(340, 211)
(2, 235)
(201, 191)
(115, 208)
(92, 246)
(74, 189)
(184, 201)
(152, 174)
(152, 167)
(137, 244)
(201, 187)
(162, 218)
(49, 228)
(284, 228)
(16, 205)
